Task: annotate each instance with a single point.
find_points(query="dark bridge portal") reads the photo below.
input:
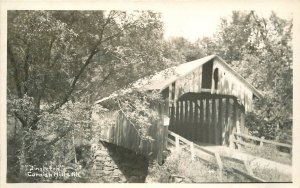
(206, 118)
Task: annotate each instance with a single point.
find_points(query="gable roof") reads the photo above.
(164, 78)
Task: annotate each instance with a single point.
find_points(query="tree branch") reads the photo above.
(59, 136)
(94, 51)
(16, 73)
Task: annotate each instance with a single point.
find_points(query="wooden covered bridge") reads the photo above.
(205, 102)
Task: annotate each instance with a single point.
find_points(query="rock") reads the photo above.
(122, 179)
(187, 180)
(106, 172)
(176, 179)
(100, 152)
(107, 163)
(108, 168)
(117, 172)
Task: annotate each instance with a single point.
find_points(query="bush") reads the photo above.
(57, 140)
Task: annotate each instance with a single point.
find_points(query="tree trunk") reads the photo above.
(22, 160)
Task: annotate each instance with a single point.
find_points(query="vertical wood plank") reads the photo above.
(211, 125)
(217, 128)
(201, 122)
(191, 117)
(207, 118)
(176, 123)
(118, 132)
(181, 128)
(196, 127)
(213, 121)
(191, 120)
(238, 121)
(234, 118)
(118, 129)
(171, 115)
(186, 119)
(160, 135)
(227, 120)
(242, 122)
(220, 124)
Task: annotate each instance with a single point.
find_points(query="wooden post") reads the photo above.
(261, 142)
(177, 143)
(220, 164)
(238, 144)
(192, 150)
(231, 144)
(219, 161)
(248, 168)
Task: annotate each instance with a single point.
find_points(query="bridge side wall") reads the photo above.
(115, 128)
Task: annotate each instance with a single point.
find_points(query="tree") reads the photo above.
(188, 50)
(260, 49)
(50, 51)
(56, 58)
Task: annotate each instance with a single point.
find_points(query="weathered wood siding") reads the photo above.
(115, 128)
(188, 83)
(206, 118)
(227, 84)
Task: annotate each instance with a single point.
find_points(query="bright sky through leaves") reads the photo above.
(194, 24)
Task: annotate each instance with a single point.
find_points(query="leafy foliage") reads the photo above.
(260, 49)
(187, 50)
(61, 61)
(138, 106)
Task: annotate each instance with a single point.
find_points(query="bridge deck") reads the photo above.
(254, 161)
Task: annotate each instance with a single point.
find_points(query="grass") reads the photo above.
(268, 152)
(267, 174)
(180, 164)
(271, 175)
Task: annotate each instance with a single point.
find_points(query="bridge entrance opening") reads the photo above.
(206, 118)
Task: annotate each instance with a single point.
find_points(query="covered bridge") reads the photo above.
(205, 101)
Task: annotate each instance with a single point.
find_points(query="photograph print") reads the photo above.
(138, 96)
